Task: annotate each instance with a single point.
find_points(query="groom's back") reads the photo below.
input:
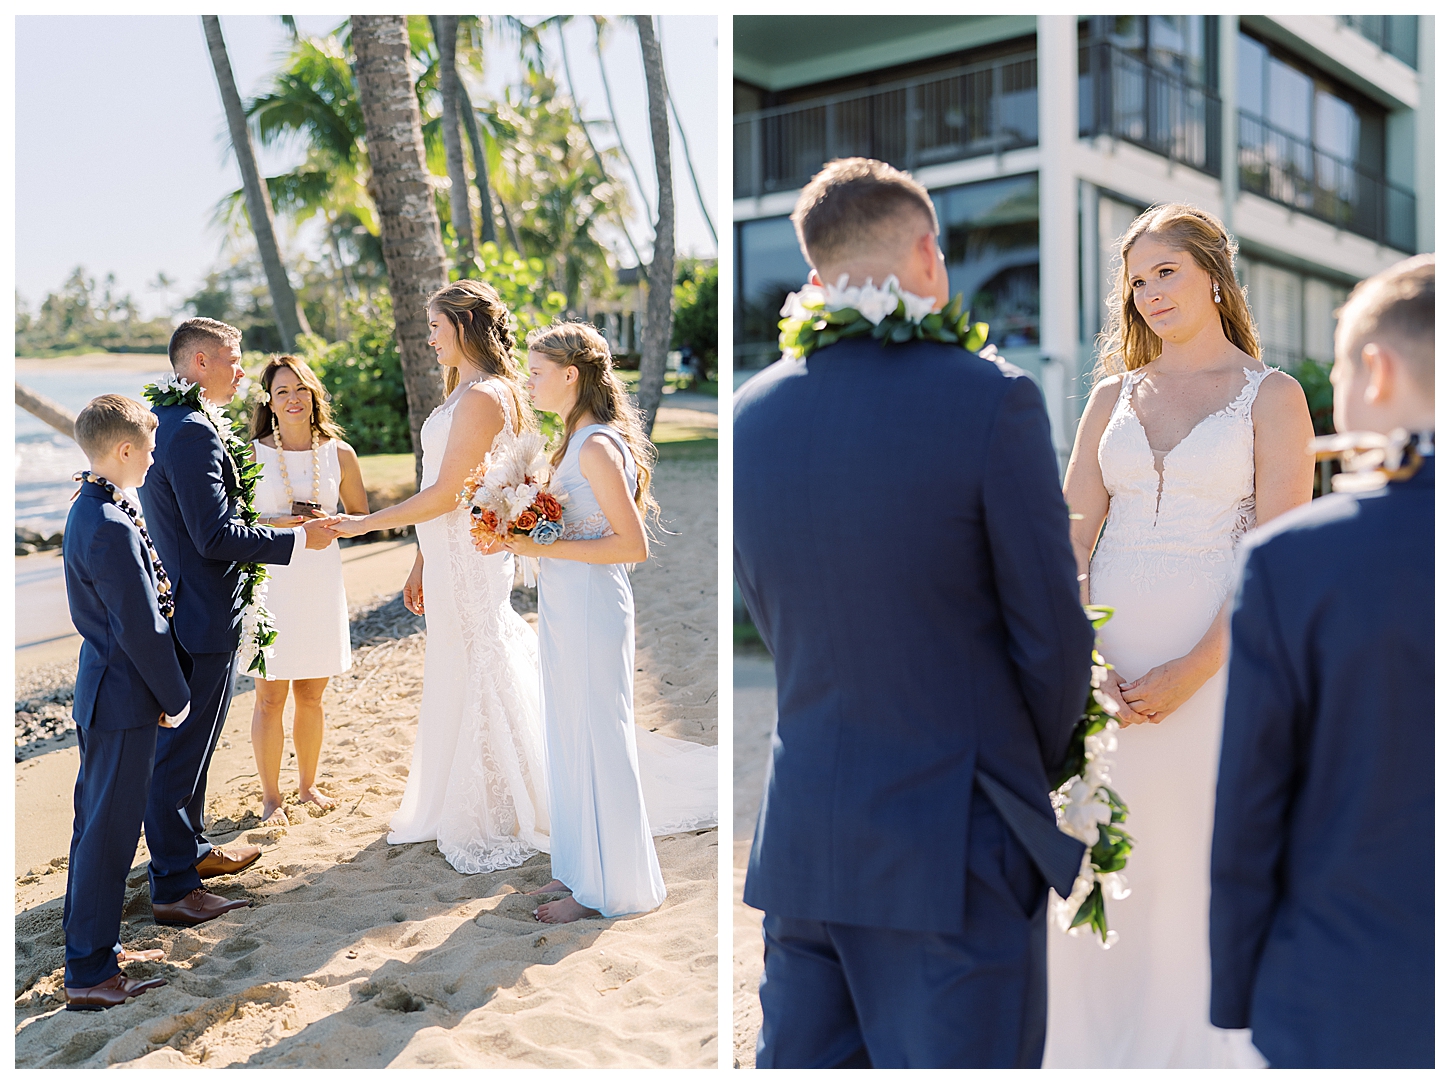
(863, 479)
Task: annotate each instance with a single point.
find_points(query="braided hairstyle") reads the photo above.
(1128, 343)
(601, 394)
(485, 334)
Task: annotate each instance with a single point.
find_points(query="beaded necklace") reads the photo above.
(165, 601)
(282, 458)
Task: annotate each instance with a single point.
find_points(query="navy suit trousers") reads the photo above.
(176, 812)
(841, 996)
(110, 799)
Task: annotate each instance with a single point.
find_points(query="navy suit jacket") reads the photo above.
(192, 519)
(131, 666)
(1323, 905)
(902, 544)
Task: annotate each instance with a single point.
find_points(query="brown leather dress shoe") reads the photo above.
(113, 991)
(196, 907)
(217, 861)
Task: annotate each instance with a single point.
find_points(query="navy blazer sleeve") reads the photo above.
(201, 497)
(1050, 639)
(1256, 777)
(133, 614)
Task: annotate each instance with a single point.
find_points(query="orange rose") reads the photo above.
(548, 506)
(527, 521)
(489, 519)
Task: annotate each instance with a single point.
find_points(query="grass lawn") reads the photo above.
(630, 379)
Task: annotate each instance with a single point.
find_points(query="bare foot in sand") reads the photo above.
(566, 910)
(316, 797)
(555, 885)
(273, 815)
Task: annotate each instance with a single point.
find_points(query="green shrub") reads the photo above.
(364, 377)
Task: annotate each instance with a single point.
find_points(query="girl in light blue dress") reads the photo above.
(600, 845)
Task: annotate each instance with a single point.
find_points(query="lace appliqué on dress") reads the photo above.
(1188, 519)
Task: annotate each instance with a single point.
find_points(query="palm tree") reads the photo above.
(291, 321)
(445, 35)
(658, 312)
(412, 240)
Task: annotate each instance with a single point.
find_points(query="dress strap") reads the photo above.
(1244, 401)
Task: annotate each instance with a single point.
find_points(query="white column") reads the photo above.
(1057, 216)
(1228, 93)
(1425, 140)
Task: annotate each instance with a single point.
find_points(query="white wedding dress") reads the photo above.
(477, 782)
(1165, 562)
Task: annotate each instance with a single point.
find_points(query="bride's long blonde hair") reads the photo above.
(1128, 343)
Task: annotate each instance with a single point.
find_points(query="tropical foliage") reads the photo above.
(697, 306)
(85, 315)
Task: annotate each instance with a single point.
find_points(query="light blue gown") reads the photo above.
(601, 845)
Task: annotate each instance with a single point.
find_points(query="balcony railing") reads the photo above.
(1398, 35)
(1128, 98)
(1294, 172)
(980, 109)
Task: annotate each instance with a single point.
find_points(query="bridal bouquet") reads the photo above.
(507, 493)
(1090, 810)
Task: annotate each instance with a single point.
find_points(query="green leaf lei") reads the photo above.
(813, 320)
(1083, 781)
(259, 632)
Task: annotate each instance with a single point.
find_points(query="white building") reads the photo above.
(1040, 138)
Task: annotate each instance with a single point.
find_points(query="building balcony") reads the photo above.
(1126, 97)
(980, 109)
(1292, 171)
(1398, 35)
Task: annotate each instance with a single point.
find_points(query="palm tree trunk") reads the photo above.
(445, 34)
(659, 314)
(412, 241)
(583, 127)
(486, 231)
(613, 116)
(291, 320)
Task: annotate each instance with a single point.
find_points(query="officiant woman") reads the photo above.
(308, 470)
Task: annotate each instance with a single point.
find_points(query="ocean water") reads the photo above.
(45, 461)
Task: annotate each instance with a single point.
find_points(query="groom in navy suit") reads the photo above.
(1323, 903)
(902, 544)
(191, 507)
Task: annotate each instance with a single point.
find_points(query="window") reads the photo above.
(769, 265)
(1294, 312)
(989, 236)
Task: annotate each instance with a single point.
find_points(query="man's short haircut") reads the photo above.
(200, 333)
(1395, 307)
(107, 420)
(854, 205)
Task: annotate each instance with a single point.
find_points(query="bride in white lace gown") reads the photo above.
(477, 782)
(1175, 459)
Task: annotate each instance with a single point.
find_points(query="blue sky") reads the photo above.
(121, 157)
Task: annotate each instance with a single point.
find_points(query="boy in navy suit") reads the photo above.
(132, 678)
(1322, 917)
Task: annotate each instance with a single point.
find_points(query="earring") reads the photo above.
(1217, 297)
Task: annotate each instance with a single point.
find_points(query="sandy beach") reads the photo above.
(358, 954)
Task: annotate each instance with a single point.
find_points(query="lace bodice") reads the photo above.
(1191, 516)
(582, 515)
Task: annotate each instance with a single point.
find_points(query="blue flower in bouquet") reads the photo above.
(546, 532)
